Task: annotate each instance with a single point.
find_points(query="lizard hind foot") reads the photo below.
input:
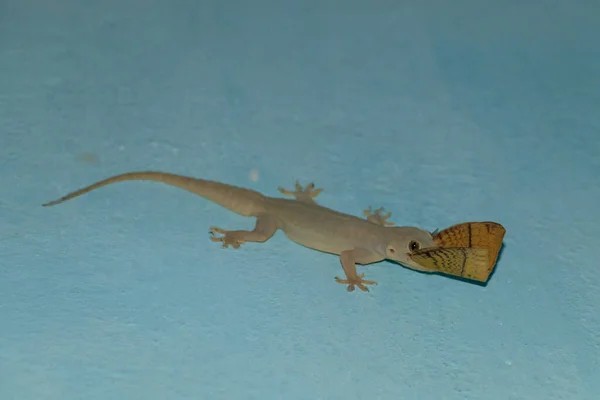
(228, 239)
(358, 281)
(306, 194)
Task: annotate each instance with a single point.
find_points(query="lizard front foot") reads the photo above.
(228, 239)
(358, 281)
(306, 194)
(377, 217)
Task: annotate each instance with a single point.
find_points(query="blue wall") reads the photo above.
(479, 110)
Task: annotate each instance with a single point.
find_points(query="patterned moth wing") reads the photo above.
(482, 235)
(468, 250)
(470, 263)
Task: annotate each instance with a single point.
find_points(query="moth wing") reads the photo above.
(466, 262)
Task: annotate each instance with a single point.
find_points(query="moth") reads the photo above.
(467, 250)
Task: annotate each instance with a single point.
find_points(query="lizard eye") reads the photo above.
(414, 246)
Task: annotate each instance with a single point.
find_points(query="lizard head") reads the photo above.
(403, 241)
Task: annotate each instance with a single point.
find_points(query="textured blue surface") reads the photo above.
(442, 113)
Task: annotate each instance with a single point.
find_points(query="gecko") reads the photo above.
(355, 240)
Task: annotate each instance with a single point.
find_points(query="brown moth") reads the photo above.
(469, 250)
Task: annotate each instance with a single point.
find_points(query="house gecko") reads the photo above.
(355, 240)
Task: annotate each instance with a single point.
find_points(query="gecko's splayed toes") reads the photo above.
(229, 238)
(359, 281)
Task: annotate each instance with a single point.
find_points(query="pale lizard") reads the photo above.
(355, 240)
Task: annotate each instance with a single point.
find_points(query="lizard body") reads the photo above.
(355, 240)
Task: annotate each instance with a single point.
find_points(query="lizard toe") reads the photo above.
(358, 281)
(228, 238)
(305, 194)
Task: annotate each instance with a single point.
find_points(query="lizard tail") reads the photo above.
(242, 201)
